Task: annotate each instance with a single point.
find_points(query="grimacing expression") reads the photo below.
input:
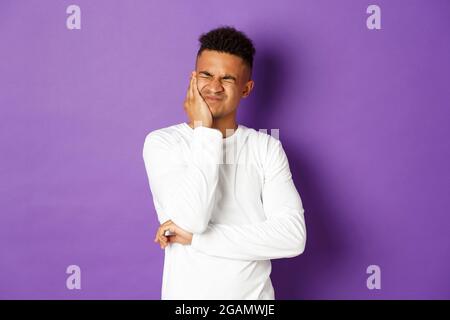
(223, 79)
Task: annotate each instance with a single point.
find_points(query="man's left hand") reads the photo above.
(179, 235)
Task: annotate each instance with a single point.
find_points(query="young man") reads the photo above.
(221, 220)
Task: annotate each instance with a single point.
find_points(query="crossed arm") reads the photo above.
(184, 197)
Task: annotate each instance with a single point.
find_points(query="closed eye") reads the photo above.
(205, 74)
(228, 79)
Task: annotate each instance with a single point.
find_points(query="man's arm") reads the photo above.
(184, 192)
(281, 235)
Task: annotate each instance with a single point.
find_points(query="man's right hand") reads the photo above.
(195, 106)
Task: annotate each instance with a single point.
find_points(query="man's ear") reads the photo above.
(248, 88)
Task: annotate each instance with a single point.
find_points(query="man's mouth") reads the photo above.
(213, 98)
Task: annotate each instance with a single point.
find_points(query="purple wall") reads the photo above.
(363, 115)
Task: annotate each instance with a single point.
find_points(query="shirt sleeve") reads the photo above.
(281, 235)
(183, 191)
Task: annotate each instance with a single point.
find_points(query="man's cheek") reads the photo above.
(201, 84)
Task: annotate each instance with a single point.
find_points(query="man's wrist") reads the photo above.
(201, 123)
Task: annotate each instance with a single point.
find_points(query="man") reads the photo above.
(221, 221)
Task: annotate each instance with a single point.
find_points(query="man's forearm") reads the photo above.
(281, 235)
(272, 239)
(185, 192)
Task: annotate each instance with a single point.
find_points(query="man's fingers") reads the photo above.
(188, 91)
(162, 243)
(159, 236)
(160, 232)
(195, 85)
(171, 230)
(163, 227)
(163, 237)
(179, 235)
(192, 85)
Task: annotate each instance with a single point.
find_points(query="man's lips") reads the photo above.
(213, 98)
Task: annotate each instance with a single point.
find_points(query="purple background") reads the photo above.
(363, 116)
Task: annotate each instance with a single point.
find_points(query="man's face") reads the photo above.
(223, 79)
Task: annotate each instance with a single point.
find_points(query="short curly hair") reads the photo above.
(229, 40)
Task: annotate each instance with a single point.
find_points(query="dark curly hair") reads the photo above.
(228, 39)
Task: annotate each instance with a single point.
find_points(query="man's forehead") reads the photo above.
(214, 61)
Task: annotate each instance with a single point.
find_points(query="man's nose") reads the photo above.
(215, 86)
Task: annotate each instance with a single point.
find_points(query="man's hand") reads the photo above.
(195, 106)
(179, 235)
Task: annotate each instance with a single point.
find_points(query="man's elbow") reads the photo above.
(297, 248)
(299, 240)
(300, 246)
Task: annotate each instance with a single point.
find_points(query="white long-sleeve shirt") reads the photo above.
(236, 196)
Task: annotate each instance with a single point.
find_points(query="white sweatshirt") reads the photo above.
(236, 196)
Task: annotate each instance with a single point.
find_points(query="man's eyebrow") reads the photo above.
(226, 76)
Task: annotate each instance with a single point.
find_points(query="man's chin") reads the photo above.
(215, 111)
